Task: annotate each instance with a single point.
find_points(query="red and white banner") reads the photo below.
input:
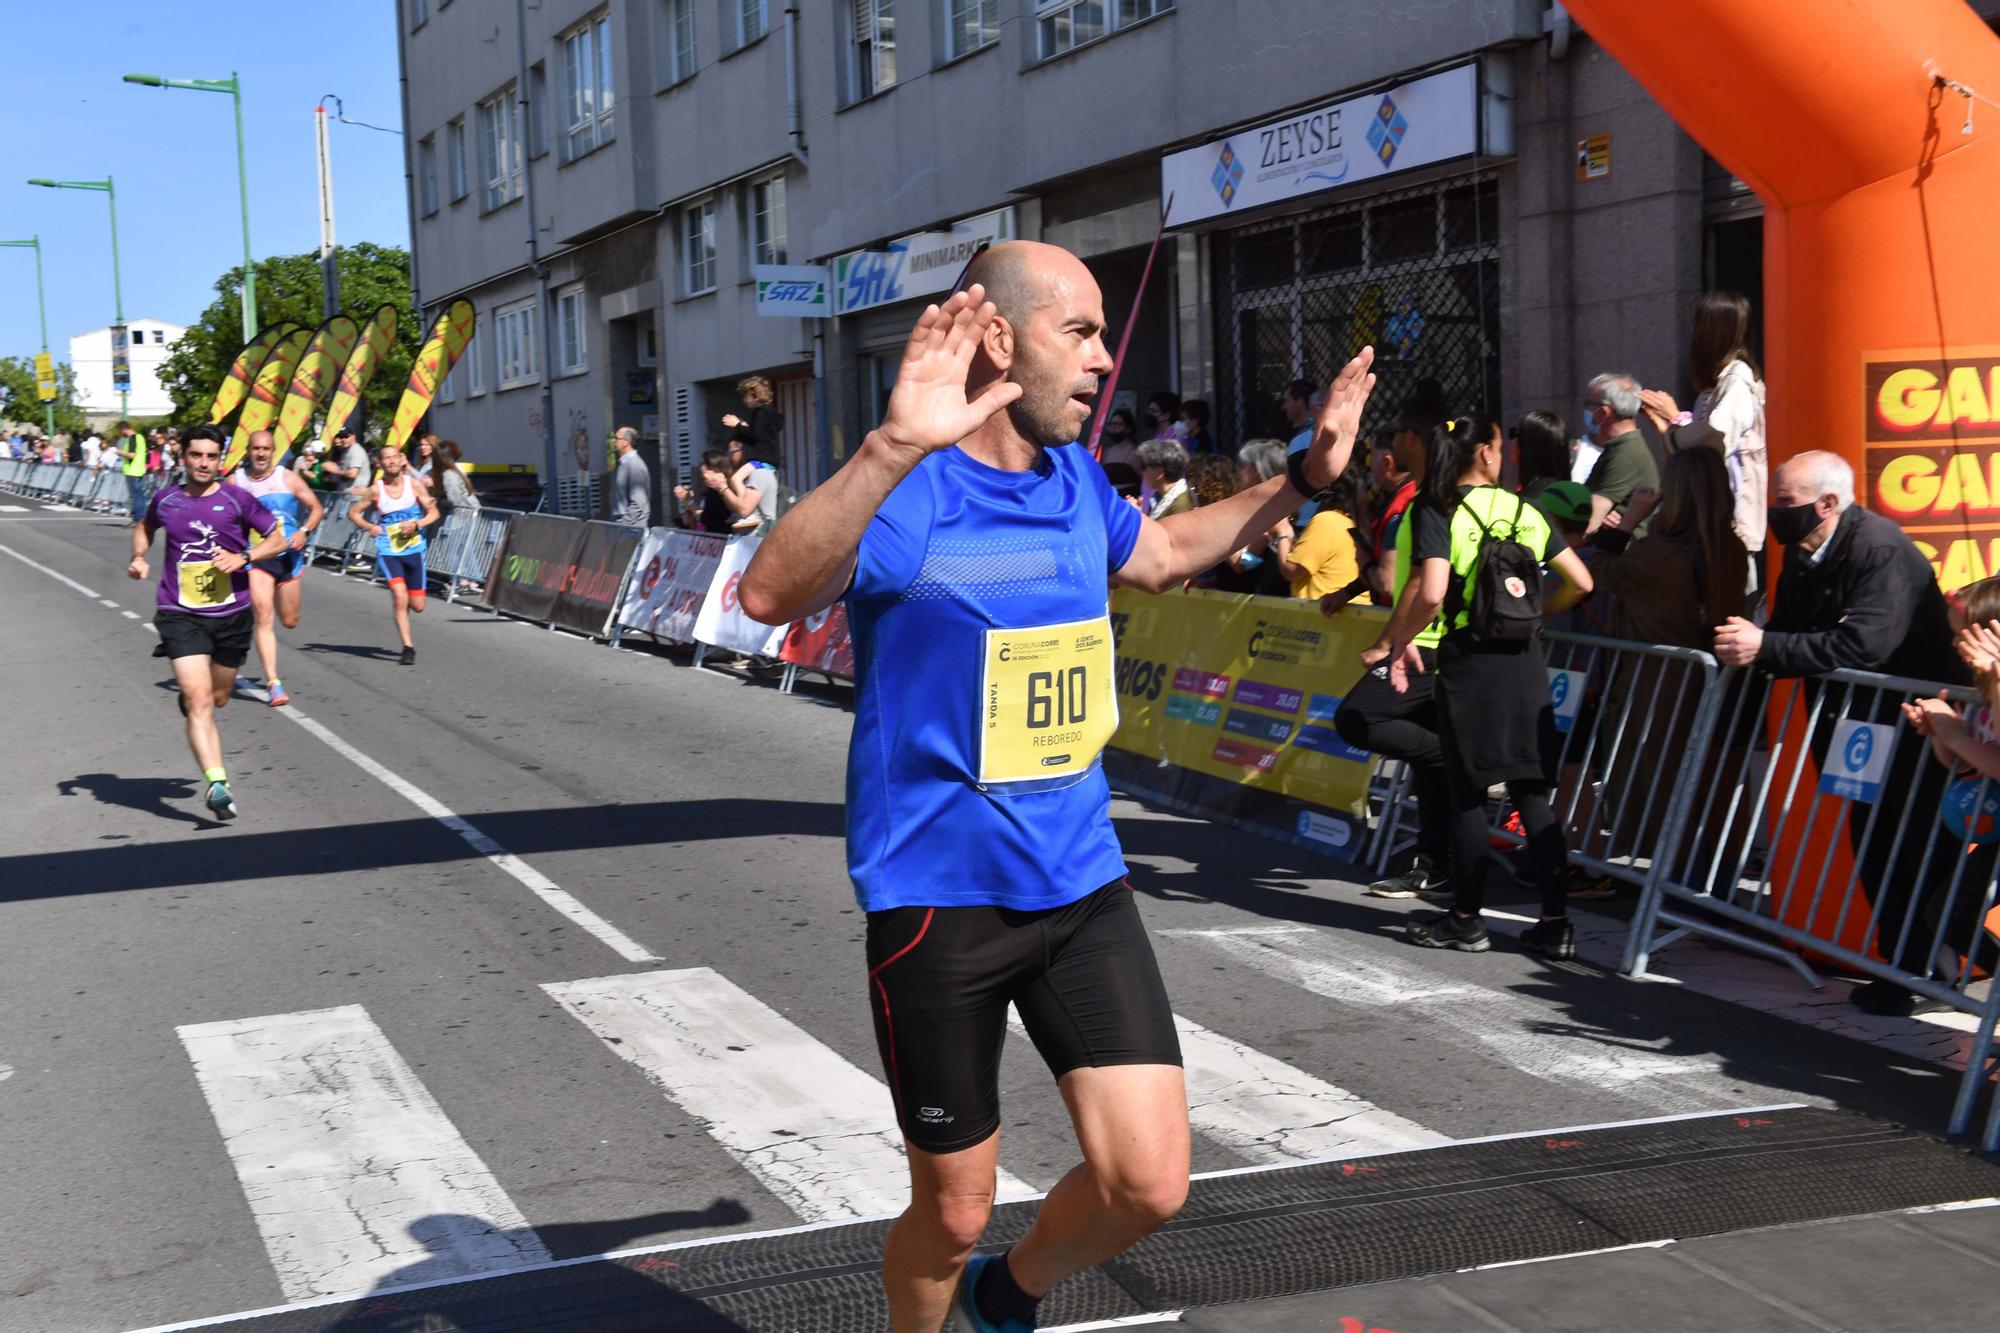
(820, 643)
(670, 579)
(721, 621)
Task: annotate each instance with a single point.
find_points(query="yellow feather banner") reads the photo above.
(362, 362)
(435, 359)
(241, 371)
(261, 407)
(318, 368)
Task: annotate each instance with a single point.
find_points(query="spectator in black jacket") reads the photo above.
(761, 433)
(1856, 593)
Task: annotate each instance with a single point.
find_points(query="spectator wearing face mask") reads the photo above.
(1855, 592)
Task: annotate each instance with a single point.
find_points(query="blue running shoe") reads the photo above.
(220, 803)
(965, 1316)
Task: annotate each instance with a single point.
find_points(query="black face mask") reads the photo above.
(1792, 524)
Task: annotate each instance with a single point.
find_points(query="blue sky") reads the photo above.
(65, 113)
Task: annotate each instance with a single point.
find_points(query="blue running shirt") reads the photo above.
(978, 612)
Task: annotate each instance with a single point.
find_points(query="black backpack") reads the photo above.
(1504, 603)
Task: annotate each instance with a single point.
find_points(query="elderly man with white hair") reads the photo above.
(1855, 592)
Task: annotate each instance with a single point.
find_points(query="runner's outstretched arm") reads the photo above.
(1175, 549)
(807, 561)
(314, 510)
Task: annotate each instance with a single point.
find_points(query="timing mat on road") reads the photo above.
(1251, 1235)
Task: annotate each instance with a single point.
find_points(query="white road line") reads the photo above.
(54, 574)
(13, 509)
(351, 1169)
(1274, 1114)
(814, 1129)
(1511, 1028)
(532, 879)
(129, 615)
(106, 601)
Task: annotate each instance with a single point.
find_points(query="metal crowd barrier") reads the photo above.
(1664, 780)
(464, 550)
(1889, 847)
(98, 489)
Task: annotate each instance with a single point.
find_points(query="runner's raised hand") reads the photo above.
(928, 409)
(1340, 420)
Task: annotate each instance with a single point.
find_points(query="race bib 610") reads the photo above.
(1048, 703)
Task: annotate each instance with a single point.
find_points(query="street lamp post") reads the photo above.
(234, 88)
(117, 289)
(42, 304)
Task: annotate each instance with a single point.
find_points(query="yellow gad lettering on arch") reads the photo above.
(1914, 485)
(1964, 560)
(1911, 399)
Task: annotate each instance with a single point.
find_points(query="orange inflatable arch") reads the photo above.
(1871, 131)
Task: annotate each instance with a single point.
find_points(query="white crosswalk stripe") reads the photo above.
(817, 1131)
(351, 1169)
(1510, 1028)
(1271, 1113)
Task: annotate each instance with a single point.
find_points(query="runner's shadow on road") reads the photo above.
(632, 1293)
(148, 796)
(351, 650)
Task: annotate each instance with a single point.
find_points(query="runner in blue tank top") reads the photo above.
(274, 584)
(975, 545)
(403, 509)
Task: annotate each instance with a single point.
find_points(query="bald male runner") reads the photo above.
(975, 545)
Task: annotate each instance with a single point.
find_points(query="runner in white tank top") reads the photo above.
(274, 584)
(403, 509)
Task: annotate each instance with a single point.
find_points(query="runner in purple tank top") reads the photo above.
(214, 532)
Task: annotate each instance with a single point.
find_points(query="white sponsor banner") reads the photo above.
(791, 290)
(670, 579)
(721, 621)
(916, 265)
(1432, 119)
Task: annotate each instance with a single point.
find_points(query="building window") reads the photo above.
(970, 25)
(676, 41)
(515, 325)
(427, 174)
(420, 13)
(569, 331)
(454, 140)
(751, 21)
(767, 221)
(698, 248)
(475, 365)
(587, 86)
(448, 391)
(500, 148)
(1063, 25)
(874, 51)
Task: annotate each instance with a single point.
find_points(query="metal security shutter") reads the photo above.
(1413, 272)
(795, 398)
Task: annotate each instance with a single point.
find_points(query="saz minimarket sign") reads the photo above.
(1432, 119)
(921, 264)
(790, 290)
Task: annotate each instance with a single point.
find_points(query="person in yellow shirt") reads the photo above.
(1326, 556)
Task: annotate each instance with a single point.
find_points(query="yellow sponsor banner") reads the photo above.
(376, 336)
(45, 377)
(1243, 688)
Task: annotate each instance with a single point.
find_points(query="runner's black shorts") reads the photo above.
(940, 980)
(226, 639)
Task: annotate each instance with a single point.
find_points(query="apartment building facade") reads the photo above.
(1473, 186)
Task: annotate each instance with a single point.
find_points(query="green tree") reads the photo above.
(17, 390)
(288, 288)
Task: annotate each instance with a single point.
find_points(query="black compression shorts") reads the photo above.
(940, 980)
(225, 639)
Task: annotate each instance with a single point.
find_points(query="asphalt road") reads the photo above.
(231, 1056)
